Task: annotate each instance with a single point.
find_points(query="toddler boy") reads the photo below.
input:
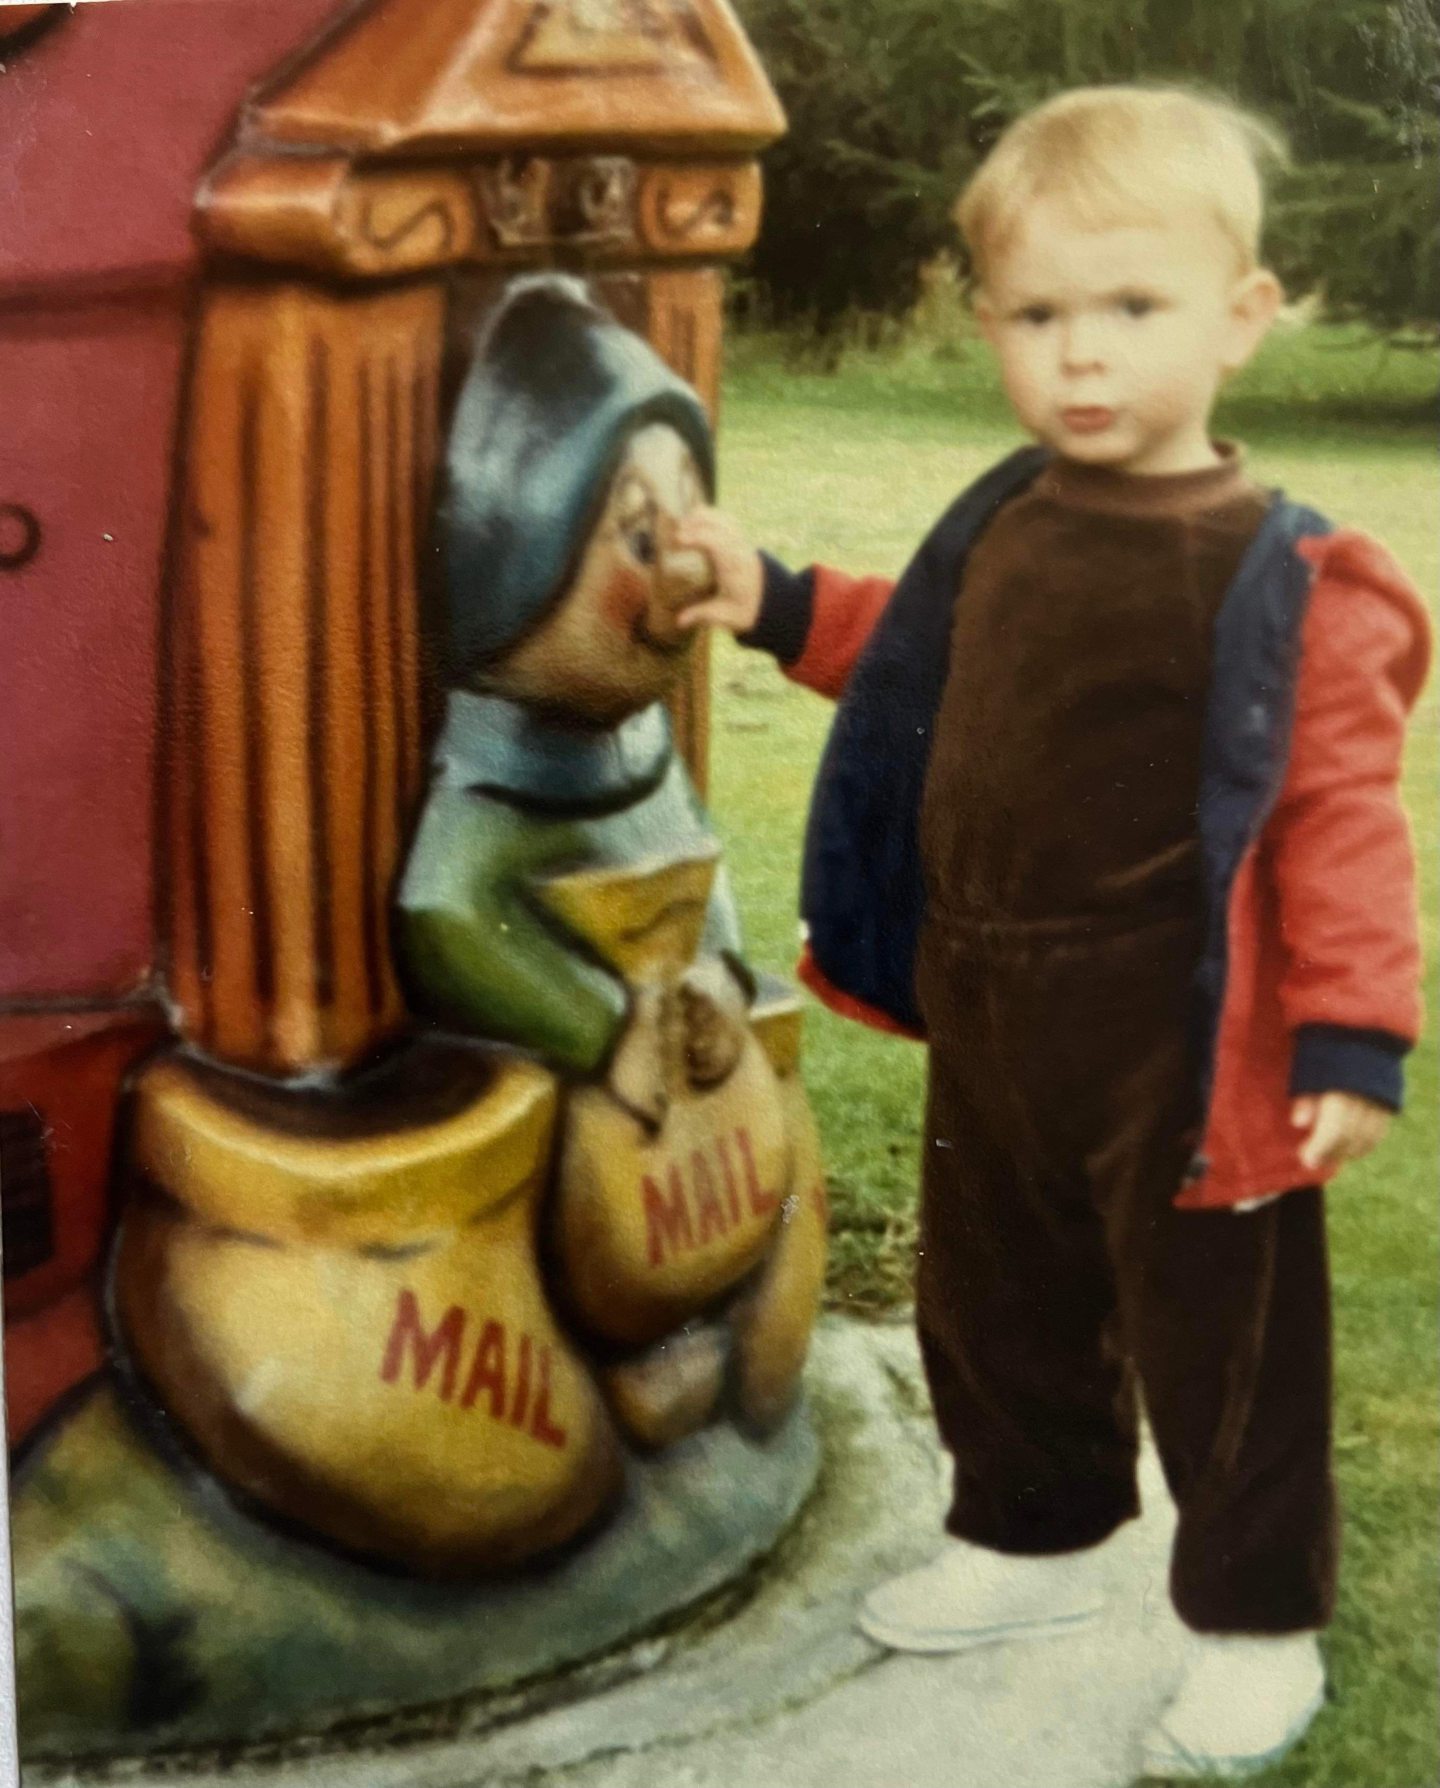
(1109, 816)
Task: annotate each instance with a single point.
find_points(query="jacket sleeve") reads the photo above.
(1339, 841)
(816, 622)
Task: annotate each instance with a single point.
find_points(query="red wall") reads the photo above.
(107, 122)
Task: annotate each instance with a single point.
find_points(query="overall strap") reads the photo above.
(862, 890)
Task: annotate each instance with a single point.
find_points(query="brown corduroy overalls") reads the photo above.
(1062, 932)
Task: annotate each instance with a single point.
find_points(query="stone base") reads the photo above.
(153, 1615)
(783, 1689)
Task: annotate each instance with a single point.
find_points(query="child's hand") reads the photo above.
(1342, 1126)
(739, 576)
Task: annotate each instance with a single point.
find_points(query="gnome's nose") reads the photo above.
(685, 575)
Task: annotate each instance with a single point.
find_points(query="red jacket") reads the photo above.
(1322, 918)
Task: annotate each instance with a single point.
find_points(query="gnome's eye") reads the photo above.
(641, 541)
(637, 524)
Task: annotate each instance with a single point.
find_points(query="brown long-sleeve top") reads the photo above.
(1065, 770)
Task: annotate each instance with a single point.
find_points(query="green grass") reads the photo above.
(852, 468)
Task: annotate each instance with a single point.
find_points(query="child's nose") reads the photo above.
(1081, 346)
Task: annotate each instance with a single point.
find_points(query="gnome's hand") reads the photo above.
(637, 1078)
(713, 1010)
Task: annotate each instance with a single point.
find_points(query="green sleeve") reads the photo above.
(478, 953)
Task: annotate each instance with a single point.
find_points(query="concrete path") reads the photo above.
(782, 1693)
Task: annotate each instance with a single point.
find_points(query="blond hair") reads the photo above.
(1123, 155)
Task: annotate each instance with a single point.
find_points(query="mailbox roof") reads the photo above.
(397, 78)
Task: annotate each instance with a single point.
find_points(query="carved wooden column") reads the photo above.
(295, 664)
(421, 141)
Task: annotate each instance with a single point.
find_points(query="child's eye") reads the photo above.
(1136, 304)
(1034, 314)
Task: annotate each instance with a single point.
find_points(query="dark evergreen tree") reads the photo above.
(891, 103)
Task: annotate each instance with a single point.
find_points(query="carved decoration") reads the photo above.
(709, 209)
(585, 203)
(319, 213)
(609, 37)
(323, 214)
(517, 201)
(596, 203)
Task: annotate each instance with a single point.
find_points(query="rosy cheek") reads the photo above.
(626, 597)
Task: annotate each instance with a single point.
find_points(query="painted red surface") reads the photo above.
(47, 1355)
(66, 1073)
(108, 121)
(110, 118)
(60, 1081)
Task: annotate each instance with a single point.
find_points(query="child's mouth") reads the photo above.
(1089, 419)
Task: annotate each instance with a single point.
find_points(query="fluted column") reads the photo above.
(293, 731)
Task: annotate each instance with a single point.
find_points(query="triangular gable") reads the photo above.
(609, 37)
(453, 76)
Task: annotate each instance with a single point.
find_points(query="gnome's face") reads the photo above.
(610, 644)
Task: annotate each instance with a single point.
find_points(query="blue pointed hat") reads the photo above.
(554, 392)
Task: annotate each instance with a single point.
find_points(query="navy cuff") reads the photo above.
(1334, 1058)
(786, 607)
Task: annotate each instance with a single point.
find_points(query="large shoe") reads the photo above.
(1244, 1702)
(970, 1596)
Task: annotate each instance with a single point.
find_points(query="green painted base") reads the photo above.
(151, 1614)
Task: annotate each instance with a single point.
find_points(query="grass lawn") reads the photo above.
(852, 468)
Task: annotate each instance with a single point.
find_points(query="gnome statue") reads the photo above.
(565, 891)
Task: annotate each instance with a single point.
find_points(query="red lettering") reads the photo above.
(666, 1223)
(427, 1349)
(707, 1202)
(762, 1203)
(732, 1191)
(542, 1428)
(520, 1408)
(487, 1370)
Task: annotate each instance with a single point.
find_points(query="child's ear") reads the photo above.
(1254, 305)
(985, 314)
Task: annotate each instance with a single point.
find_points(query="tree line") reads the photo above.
(893, 102)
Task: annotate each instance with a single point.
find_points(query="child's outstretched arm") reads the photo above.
(814, 622)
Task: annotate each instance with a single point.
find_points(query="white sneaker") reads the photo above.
(1244, 1702)
(971, 1596)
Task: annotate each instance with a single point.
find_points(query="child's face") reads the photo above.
(1113, 342)
(611, 645)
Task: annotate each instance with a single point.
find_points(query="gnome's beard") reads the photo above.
(597, 691)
